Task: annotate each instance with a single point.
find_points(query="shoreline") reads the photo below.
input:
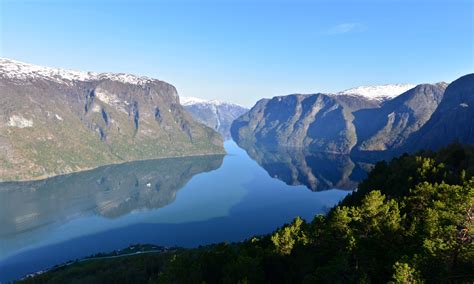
(45, 177)
(155, 249)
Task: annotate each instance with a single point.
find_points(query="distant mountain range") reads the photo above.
(365, 120)
(55, 121)
(216, 114)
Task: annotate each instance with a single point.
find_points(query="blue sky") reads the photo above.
(242, 51)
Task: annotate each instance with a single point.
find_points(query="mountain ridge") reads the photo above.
(51, 125)
(378, 92)
(452, 121)
(344, 123)
(18, 70)
(185, 101)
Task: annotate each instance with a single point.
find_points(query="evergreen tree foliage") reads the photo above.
(410, 221)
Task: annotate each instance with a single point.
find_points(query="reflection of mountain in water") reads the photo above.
(109, 191)
(317, 171)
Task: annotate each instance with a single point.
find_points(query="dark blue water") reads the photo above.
(183, 202)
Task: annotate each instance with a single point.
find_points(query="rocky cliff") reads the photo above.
(452, 121)
(55, 121)
(425, 116)
(389, 127)
(319, 122)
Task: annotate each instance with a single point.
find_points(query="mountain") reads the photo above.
(55, 121)
(215, 114)
(319, 122)
(290, 121)
(380, 92)
(388, 127)
(362, 123)
(452, 121)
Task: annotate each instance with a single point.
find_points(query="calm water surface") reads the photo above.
(184, 202)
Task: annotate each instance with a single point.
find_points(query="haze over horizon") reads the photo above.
(241, 51)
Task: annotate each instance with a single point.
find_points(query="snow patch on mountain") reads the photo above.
(380, 92)
(19, 121)
(24, 71)
(187, 101)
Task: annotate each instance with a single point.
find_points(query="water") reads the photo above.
(183, 201)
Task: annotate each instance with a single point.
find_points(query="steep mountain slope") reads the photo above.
(215, 114)
(359, 124)
(55, 121)
(389, 126)
(320, 122)
(452, 121)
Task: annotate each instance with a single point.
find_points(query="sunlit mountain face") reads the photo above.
(56, 121)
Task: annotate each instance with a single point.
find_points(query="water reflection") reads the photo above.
(109, 191)
(317, 171)
(165, 202)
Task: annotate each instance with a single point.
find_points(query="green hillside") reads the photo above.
(409, 222)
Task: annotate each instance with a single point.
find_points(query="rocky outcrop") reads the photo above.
(55, 121)
(388, 127)
(452, 121)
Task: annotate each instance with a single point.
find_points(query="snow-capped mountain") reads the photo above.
(380, 92)
(216, 114)
(357, 121)
(186, 101)
(17, 70)
(75, 120)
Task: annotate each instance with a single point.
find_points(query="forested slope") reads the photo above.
(409, 222)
